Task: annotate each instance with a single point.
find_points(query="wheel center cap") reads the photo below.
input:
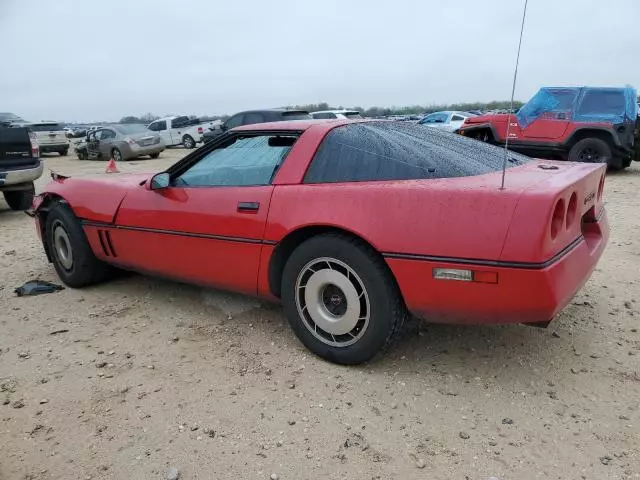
(335, 299)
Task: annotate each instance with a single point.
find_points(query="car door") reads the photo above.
(106, 137)
(552, 124)
(93, 145)
(160, 126)
(207, 226)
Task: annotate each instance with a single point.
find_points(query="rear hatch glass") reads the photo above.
(296, 115)
(371, 151)
(15, 148)
(48, 133)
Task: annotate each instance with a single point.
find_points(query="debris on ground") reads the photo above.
(37, 287)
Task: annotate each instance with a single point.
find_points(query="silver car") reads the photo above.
(123, 142)
(447, 120)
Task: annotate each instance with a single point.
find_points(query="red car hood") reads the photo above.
(94, 197)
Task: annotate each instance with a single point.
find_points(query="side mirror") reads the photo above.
(159, 181)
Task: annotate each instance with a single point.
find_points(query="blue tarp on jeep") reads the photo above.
(582, 104)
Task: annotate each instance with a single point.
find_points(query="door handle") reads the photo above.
(248, 207)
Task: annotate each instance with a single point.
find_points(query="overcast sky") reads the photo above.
(79, 60)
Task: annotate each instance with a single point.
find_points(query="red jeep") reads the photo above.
(584, 124)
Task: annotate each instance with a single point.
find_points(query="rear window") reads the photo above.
(378, 151)
(296, 116)
(45, 127)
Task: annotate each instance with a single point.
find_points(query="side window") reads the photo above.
(457, 118)
(435, 118)
(158, 126)
(253, 117)
(107, 134)
(244, 161)
(234, 121)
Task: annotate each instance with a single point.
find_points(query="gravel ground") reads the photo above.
(146, 379)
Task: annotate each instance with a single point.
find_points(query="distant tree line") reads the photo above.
(367, 112)
(150, 117)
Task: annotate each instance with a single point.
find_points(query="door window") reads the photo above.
(234, 121)
(435, 118)
(457, 118)
(243, 161)
(158, 126)
(253, 117)
(106, 134)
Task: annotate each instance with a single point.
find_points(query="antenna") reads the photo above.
(513, 92)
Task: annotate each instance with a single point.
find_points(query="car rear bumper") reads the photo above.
(132, 152)
(522, 294)
(20, 176)
(55, 147)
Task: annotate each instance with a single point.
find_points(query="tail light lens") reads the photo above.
(35, 148)
(557, 220)
(130, 141)
(200, 130)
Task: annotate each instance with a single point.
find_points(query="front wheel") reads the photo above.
(20, 199)
(340, 299)
(64, 153)
(71, 253)
(155, 155)
(188, 141)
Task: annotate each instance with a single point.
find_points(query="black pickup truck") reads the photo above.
(20, 166)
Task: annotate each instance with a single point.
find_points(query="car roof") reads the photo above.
(294, 125)
(344, 110)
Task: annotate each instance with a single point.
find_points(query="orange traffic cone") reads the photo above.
(111, 167)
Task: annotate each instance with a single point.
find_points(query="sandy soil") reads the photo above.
(130, 379)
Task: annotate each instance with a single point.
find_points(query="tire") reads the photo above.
(116, 155)
(82, 156)
(78, 267)
(155, 155)
(370, 299)
(20, 199)
(591, 150)
(64, 153)
(188, 142)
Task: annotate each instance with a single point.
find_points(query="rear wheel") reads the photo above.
(116, 155)
(188, 141)
(340, 299)
(20, 199)
(64, 153)
(72, 256)
(591, 150)
(155, 155)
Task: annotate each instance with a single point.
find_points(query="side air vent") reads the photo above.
(106, 244)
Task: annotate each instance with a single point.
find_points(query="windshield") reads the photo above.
(133, 128)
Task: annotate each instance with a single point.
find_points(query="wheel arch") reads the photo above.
(42, 212)
(293, 239)
(470, 130)
(592, 132)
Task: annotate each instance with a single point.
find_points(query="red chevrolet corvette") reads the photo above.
(352, 225)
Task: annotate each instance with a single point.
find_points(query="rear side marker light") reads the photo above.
(465, 275)
(557, 220)
(572, 210)
(601, 188)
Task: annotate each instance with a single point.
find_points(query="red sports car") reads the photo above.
(352, 225)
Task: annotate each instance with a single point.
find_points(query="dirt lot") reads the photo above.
(146, 375)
